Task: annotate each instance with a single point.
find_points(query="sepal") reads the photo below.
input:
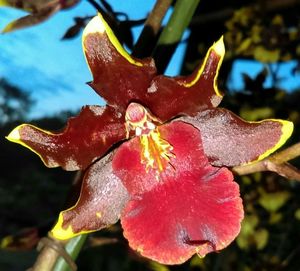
(101, 200)
(230, 141)
(168, 97)
(117, 77)
(85, 138)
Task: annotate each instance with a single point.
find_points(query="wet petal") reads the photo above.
(85, 138)
(169, 97)
(191, 208)
(229, 141)
(117, 77)
(101, 201)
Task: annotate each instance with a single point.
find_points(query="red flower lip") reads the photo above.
(166, 181)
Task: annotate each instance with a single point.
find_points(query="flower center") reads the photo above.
(156, 152)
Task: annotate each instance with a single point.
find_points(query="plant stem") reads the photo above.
(180, 19)
(58, 255)
(95, 5)
(147, 39)
(73, 248)
(276, 163)
(286, 155)
(172, 33)
(46, 260)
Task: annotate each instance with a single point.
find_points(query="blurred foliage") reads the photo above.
(265, 38)
(14, 103)
(31, 195)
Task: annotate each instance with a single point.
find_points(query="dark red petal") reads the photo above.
(229, 141)
(101, 201)
(182, 217)
(192, 208)
(169, 97)
(117, 77)
(85, 138)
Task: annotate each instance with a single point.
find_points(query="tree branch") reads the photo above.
(95, 5)
(73, 248)
(146, 42)
(275, 163)
(46, 260)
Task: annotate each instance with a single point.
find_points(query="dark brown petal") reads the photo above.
(86, 137)
(101, 201)
(168, 97)
(230, 141)
(117, 77)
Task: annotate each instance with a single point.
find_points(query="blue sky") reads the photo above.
(286, 80)
(55, 71)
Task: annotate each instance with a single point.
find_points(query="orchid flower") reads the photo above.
(156, 155)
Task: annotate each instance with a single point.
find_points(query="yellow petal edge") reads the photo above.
(14, 136)
(9, 27)
(99, 25)
(62, 234)
(286, 132)
(59, 233)
(219, 48)
(4, 3)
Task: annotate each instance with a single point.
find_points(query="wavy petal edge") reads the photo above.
(219, 48)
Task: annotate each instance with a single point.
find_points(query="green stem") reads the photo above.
(173, 31)
(73, 248)
(180, 19)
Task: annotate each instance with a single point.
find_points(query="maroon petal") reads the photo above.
(229, 141)
(30, 20)
(169, 97)
(190, 208)
(40, 11)
(85, 138)
(117, 77)
(101, 201)
(121, 79)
